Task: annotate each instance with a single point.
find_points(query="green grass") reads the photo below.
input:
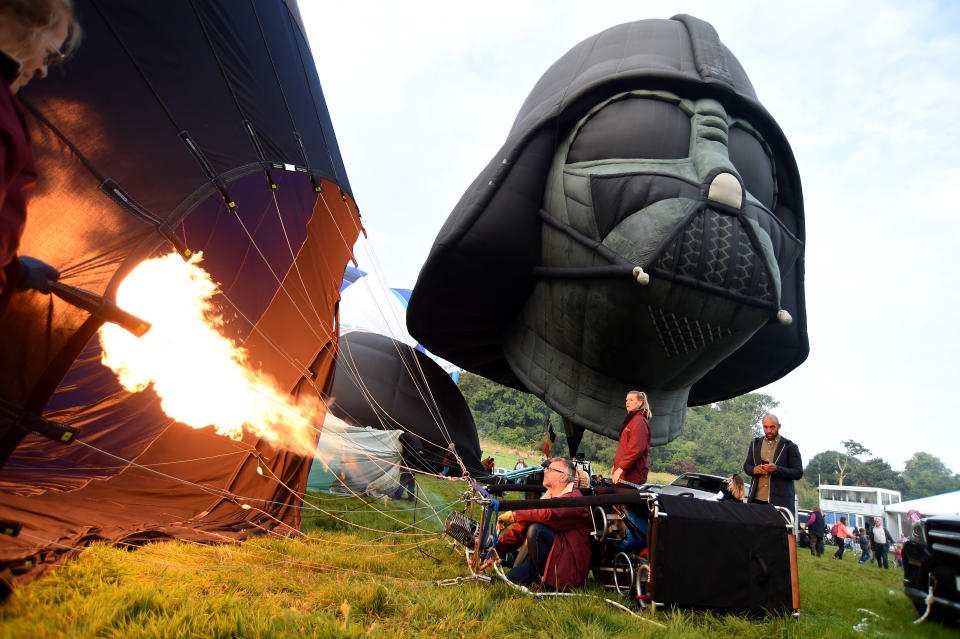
(341, 580)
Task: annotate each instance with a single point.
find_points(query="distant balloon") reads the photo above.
(641, 228)
(383, 383)
(366, 304)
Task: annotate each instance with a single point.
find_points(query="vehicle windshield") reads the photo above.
(697, 482)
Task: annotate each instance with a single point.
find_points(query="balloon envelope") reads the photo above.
(644, 147)
(386, 384)
(198, 125)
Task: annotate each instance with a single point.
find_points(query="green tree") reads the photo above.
(716, 437)
(821, 468)
(876, 472)
(830, 467)
(926, 475)
(848, 463)
(507, 415)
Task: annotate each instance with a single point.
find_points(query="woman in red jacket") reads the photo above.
(840, 533)
(633, 452)
(34, 34)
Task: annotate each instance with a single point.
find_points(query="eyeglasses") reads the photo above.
(556, 470)
(54, 58)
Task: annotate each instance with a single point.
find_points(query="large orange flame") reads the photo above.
(201, 377)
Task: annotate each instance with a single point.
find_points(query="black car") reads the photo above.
(931, 559)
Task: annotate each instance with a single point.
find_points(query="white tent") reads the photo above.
(353, 461)
(945, 504)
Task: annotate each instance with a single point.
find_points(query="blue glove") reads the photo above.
(36, 274)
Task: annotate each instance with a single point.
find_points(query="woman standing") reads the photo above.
(840, 533)
(633, 452)
(734, 489)
(816, 528)
(34, 35)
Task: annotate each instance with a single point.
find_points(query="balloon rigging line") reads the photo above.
(333, 219)
(283, 94)
(245, 551)
(354, 371)
(432, 404)
(234, 496)
(282, 483)
(276, 348)
(313, 101)
(251, 133)
(151, 465)
(86, 550)
(266, 263)
(378, 270)
(353, 368)
(293, 258)
(280, 285)
(378, 409)
(371, 400)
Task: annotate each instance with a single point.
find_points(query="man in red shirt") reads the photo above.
(632, 460)
(557, 539)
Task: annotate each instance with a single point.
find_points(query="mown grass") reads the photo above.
(341, 580)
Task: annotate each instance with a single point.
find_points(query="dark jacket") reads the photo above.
(633, 451)
(728, 497)
(789, 469)
(569, 561)
(817, 525)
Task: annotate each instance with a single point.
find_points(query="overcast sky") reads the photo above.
(422, 95)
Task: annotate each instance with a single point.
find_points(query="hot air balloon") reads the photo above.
(641, 228)
(367, 304)
(385, 383)
(192, 126)
(394, 405)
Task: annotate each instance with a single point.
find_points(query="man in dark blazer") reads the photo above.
(774, 463)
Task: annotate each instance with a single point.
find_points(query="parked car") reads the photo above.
(931, 558)
(699, 485)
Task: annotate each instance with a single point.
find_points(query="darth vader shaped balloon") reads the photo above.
(642, 228)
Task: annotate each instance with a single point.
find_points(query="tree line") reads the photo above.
(714, 440)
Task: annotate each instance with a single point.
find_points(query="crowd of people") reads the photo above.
(874, 541)
(550, 547)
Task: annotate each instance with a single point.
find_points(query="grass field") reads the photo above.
(368, 569)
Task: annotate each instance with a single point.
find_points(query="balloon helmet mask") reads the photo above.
(656, 225)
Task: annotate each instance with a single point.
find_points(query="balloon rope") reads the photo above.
(234, 497)
(241, 566)
(433, 402)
